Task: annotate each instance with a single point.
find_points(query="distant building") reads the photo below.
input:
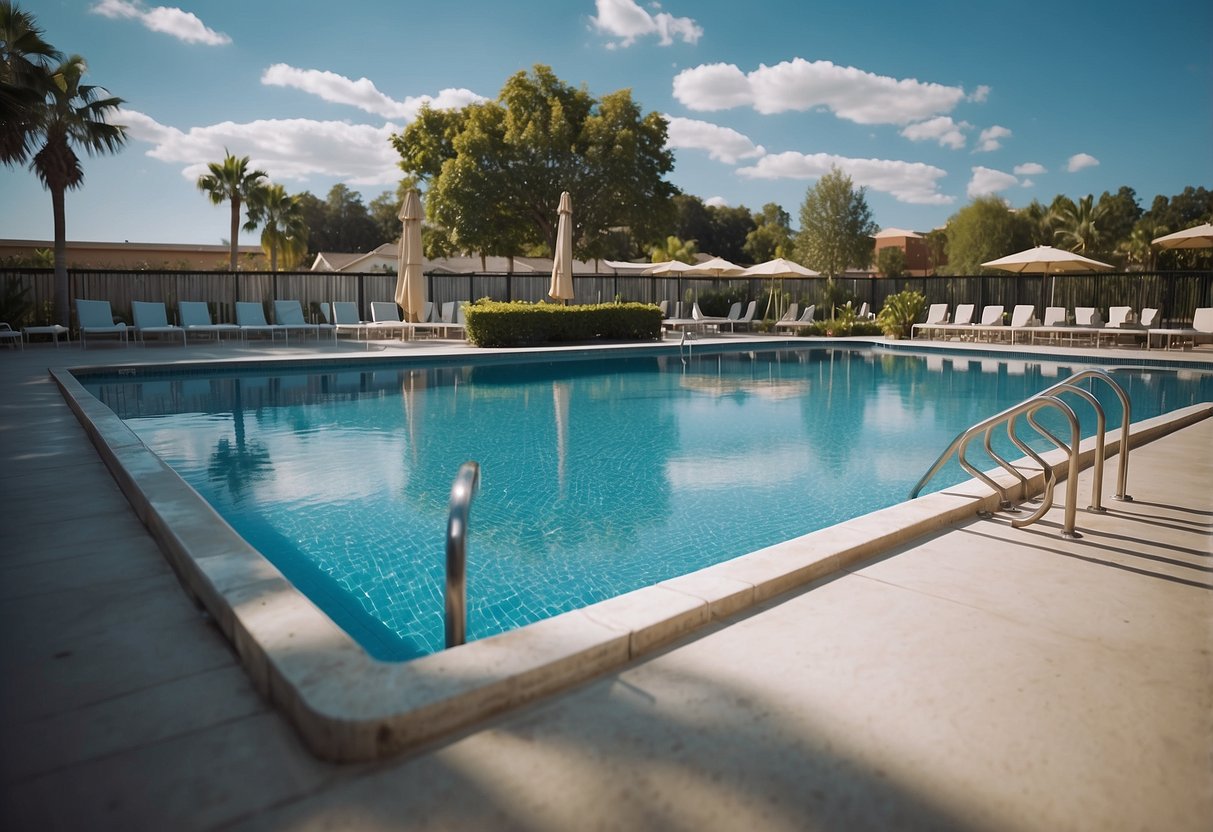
(140, 256)
(912, 244)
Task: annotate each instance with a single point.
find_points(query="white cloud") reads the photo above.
(716, 202)
(941, 128)
(624, 19)
(798, 84)
(980, 94)
(287, 149)
(180, 24)
(911, 182)
(1081, 160)
(362, 93)
(1029, 169)
(722, 143)
(991, 138)
(989, 181)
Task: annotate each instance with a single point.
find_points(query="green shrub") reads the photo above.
(496, 324)
(900, 312)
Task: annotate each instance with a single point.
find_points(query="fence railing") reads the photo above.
(1176, 294)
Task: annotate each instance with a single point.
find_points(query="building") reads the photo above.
(140, 256)
(912, 244)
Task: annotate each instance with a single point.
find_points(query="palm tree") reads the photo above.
(23, 76)
(233, 182)
(284, 228)
(1078, 225)
(71, 114)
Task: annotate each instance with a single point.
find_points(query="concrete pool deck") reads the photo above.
(981, 677)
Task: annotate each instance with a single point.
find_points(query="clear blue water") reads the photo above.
(599, 476)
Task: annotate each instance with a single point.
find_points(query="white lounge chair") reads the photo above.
(705, 321)
(746, 319)
(789, 315)
(8, 335)
(1200, 332)
(289, 314)
(1023, 319)
(385, 320)
(990, 323)
(250, 317)
(96, 318)
(152, 319)
(937, 314)
(196, 320)
(804, 320)
(347, 319)
(962, 322)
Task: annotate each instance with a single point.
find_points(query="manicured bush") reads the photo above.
(496, 324)
(900, 312)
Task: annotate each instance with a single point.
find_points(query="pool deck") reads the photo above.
(979, 677)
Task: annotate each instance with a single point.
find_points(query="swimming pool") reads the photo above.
(599, 476)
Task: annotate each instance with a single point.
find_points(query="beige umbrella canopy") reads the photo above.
(668, 267)
(780, 268)
(716, 267)
(410, 282)
(1199, 236)
(1048, 261)
(561, 287)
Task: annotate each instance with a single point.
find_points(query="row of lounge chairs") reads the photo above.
(700, 321)
(96, 319)
(1086, 325)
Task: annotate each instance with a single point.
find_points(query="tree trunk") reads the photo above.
(63, 313)
(235, 229)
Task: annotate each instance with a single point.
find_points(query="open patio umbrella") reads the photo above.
(716, 267)
(1048, 261)
(410, 282)
(561, 288)
(668, 267)
(778, 269)
(1199, 236)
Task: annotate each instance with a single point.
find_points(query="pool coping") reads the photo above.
(348, 706)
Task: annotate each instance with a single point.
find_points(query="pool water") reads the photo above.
(598, 476)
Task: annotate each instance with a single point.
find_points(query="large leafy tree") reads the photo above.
(984, 230)
(232, 181)
(283, 228)
(24, 80)
(1119, 213)
(495, 170)
(772, 234)
(836, 225)
(72, 115)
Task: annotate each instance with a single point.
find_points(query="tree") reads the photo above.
(1078, 227)
(349, 223)
(772, 235)
(495, 170)
(836, 225)
(232, 181)
(1119, 214)
(71, 115)
(673, 248)
(24, 58)
(891, 261)
(284, 230)
(984, 230)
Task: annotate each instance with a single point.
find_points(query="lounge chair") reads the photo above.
(865, 314)
(789, 315)
(385, 319)
(747, 319)
(1087, 316)
(962, 322)
(804, 320)
(734, 311)
(347, 319)
(663, 306)
(289, 314)
(152, 319)
(8, 335)
(1200, 332)
(990, 324)
(707, 320)
(196, 320)
(96, 318)
(1023, 319)
(250, 317)
(937, 314)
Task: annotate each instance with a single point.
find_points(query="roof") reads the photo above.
(895, 232)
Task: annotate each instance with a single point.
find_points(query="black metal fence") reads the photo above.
(1176, 294)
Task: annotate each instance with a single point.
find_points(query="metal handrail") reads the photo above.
(467, 482)
(1048, 398)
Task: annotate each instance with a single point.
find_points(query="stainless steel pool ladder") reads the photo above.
(467, 482)
(1028, 408)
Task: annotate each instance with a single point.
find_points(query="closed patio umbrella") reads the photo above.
(561, 287)
(1199, 236)
(1048, 261)
(410, 282)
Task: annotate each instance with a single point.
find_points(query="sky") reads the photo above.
(927, 104)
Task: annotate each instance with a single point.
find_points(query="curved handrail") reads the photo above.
(1067, 528)
(466, 484)
(1122, 466)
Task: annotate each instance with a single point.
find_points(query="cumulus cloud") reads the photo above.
(1029, 169)
(167, 20)
(989, 181)
(941, 129)
(362, 93)
(722, 143)
(716, 202)
(980, 94)
(288, 149)
(1081, 160)
(799, 85)
(991, 138)
(625, 20)
(911, 182)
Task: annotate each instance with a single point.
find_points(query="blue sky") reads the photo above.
(927, 104)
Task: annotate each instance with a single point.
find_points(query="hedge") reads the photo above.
(497, 324)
